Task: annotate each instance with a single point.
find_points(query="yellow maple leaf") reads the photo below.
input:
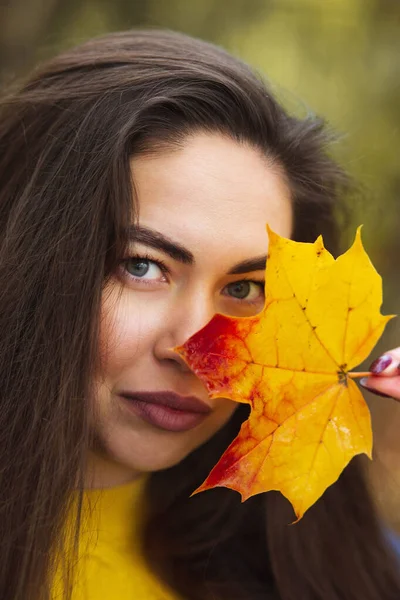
(291, 363)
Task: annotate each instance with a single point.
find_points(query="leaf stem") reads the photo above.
(356, 374)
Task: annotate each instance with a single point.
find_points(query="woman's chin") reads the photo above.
(122, 459)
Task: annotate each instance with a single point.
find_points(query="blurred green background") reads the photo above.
(338, 58)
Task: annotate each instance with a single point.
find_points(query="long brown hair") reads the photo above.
(66, 137)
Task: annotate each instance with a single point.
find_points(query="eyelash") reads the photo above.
(165, 270)
(145, 257)
(260, 283)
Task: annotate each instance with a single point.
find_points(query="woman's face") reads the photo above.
(199, 250)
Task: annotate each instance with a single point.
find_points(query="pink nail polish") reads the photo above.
(380, 364)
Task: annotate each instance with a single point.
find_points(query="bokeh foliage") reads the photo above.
(338, 58)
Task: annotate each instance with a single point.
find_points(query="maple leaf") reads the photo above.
(291, 363)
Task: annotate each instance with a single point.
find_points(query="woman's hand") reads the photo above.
(385, 378)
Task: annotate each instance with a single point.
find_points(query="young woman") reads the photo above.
(137, 174)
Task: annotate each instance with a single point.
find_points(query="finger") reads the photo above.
(387, 365)
(382, 386)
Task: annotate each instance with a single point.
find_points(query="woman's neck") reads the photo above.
(103, 472)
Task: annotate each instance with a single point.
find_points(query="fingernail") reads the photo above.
(363, 382)
(380, 364)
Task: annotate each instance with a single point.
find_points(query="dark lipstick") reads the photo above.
(167, 410)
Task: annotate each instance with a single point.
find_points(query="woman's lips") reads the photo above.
(167, 410)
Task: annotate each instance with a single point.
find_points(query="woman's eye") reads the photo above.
(143, 268)
(247, 291)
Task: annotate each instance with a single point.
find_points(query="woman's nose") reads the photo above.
(184, 319)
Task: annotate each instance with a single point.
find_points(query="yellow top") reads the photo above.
(110, 564)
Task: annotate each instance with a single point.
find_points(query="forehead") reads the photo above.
(213, 193)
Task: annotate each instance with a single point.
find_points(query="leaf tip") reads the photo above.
(297, 519)
(272, 236)
(182, 352)
(178, 349)
(202, 488)
(389, 317)
(319, 244)
(298, 511)
(358, 238)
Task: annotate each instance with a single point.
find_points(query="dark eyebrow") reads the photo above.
(159, 241)
(252, 264)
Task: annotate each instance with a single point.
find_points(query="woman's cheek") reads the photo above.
(128, 328)
(116, 327)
